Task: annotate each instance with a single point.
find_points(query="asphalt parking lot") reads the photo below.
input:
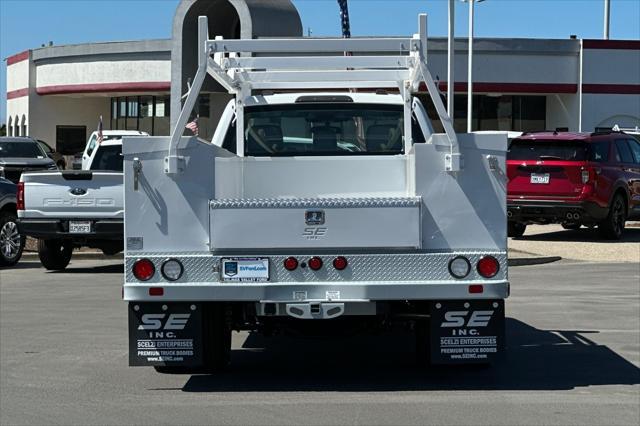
(573, 336)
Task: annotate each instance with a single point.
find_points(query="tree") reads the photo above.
(3, 130)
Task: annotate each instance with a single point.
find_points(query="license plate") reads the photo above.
(79, 227)
(245, 269)
(539, 178)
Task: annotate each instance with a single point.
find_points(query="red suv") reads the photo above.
(573, 179)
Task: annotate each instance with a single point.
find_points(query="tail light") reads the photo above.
(156, 291)
(315, 263)
(488, 266)
(476, 288)
(585, 176)
(589, 174)
(459, 267)
(172, 269)
(290, 263)
(143, 269)
(20, 196)
(340, 263)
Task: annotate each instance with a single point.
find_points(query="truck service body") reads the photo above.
(321, 205)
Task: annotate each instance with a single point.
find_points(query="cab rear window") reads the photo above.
(323, 129)
(559, 150)
(108, 158)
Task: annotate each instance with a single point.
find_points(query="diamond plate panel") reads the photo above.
(204, 268)
(302, 203)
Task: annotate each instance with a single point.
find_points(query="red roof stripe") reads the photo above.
(619, 89)
(611, 44)
(512, 87)
(147, 86)
(17, 93)
(18, 57)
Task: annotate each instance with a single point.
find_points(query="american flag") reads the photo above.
(100, 136)
(193, 126)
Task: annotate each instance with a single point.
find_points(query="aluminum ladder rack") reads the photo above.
(242, 66)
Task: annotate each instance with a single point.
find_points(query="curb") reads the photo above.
(527, 261)
(78, 255)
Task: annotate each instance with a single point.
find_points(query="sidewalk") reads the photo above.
(583, 245)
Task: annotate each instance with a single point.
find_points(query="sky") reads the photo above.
(27, 24)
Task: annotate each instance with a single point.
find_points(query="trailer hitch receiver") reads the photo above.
(315, 310)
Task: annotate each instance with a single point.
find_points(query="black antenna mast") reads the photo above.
(344, 17)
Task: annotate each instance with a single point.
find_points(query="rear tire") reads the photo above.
(11, 242)
(55, 255)
(571, 226)
(516, 229)
(217, 337)
(613, 226)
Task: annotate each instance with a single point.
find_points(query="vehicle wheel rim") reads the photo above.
(618, 217)
(9, 240)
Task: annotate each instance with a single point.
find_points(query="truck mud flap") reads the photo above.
(165, 334)
(466, 332)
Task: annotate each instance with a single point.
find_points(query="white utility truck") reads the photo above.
(323, 198)
(75, 208)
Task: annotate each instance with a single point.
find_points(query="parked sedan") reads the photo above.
(11, 242)
(21, 154)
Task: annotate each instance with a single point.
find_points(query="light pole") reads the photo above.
(450, 58)
(470, 66)
(607, 15)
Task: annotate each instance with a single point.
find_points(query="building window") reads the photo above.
(114, 113)
(10, 127)
(161, 125)
(162, 106)
(16, 126)
(501, 112)
(24, 125)
(132, 113)
(145, 113)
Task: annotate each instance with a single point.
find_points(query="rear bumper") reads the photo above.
(342, 292)
(368, 277)
(112, 230)
(555, 211)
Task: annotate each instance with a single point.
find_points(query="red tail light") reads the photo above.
(156, 291)
(20, 196)
(488, 266)
(340, 263)
(315, 263)
(143, 269)
(476, 288)
(290, 263)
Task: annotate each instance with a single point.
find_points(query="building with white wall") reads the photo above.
(58, 93)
